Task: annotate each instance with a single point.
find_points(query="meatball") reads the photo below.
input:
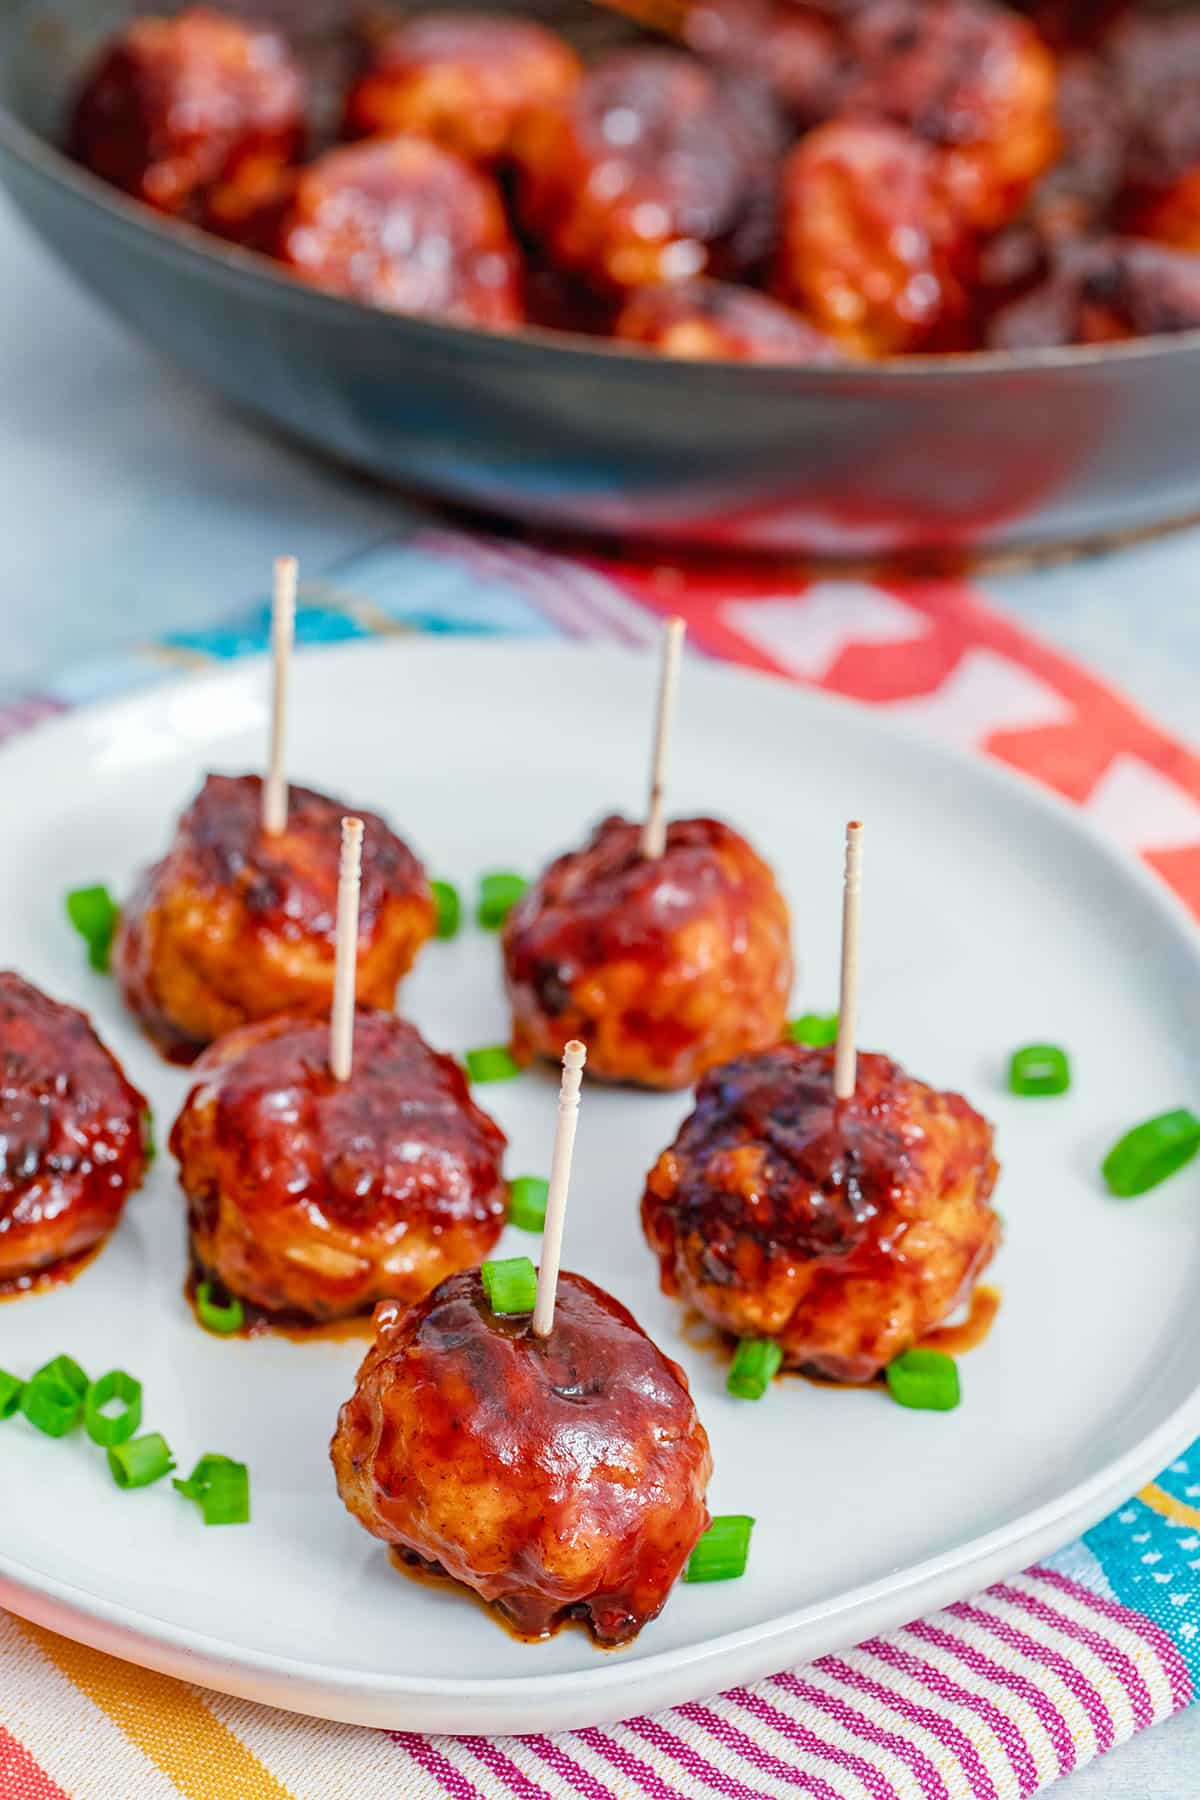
(466, 79)
(1078, 192)
(1103, 290)
(701, 319)
(558, 1478)
(177, 106)
(234, 924)
(313, 1198)
(794, 48)
(1154, 65)
(74, 1137)
(399, 222)
(869, 247)
(655, 170)
(663, 966)
(843, 1230)
(972, 79)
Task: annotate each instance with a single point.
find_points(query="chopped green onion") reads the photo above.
(498, 894)
(141, 1461)
(221, 1320)
(149, 1147)
(814, 1029)
(527, 1197)
(1150, 1152)
(1039, 1069)
(10, 1394)
(66, 1370)
(721, 1553)
(510, 1285)
(221, 1488)
(924, 1379)
(491, 1063)
(94, 914)
(449, 908)
(51, 1405)
(753, 1368)
(106, 1428)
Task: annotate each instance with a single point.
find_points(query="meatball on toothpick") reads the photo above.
(664, 947)
(824, 1200)
(524, 1437)
(236, 923)
(74, 1138)
(331, 1164)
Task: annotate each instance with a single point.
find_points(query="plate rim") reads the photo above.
(572, 1698)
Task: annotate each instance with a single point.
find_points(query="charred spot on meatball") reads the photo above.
(312, 1198)
(73, 1136)
(558, 1478)
(175, 107)
(844, 1230)
(235, 924)
(663, 966)
(409, 226)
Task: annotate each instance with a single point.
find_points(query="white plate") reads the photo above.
(992, 917)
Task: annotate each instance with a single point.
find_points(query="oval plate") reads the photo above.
(993, 916)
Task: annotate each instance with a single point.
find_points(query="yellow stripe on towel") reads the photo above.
(1159, 1501)
(167, 1720)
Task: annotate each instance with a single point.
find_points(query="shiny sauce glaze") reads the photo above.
(236, 923)
(559, 1478)
(73, 1139)
(846, 1229)
(661, 965)
(312, 1198)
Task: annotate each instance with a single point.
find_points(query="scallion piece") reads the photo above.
(493, 1062)
(10, 1394)
(221, 1488)
(94, 914)
(1039, 1069)
(105, 1428)
(814, 1029)
(222, 1321)
(926, 1380)
(721, 1553)
(1150, 1152)
(51, 1405)
(498, 894)
(510, 1285)
(527, 1196)
(66, 1370)
(449, 908)
(149, 1147)
(753, 1368)
(141, 1461)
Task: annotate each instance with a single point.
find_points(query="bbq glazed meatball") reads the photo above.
(843, 1230)
(1153, 64)
(313, 1198)
(235, 924)
(656, 169)
(972, 79)
(1101, 291)
(399, 222)
(176, 107)
(663, 966)
(558, 1478)
(74, 1136)
(465, 79)
(702, 319)
(870, 248)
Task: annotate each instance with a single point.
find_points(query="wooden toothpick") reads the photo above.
(845, 1060)
(574, 1057)
(345, 968)
(654, 831)
(283, 631)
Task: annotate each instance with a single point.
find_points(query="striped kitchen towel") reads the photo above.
(991, 1699)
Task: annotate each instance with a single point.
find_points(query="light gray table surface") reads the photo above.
(135, 503)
